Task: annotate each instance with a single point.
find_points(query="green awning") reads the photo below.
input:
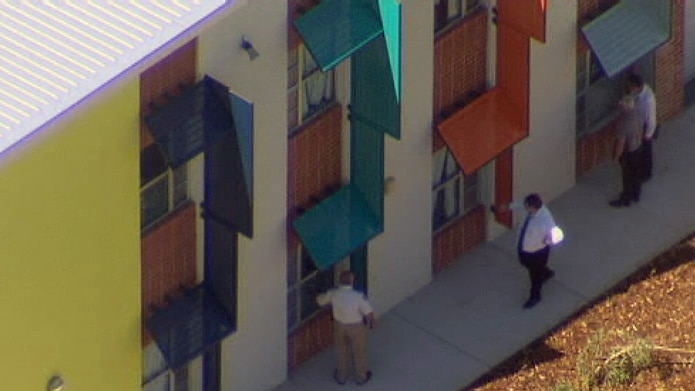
(628, 31)
(335, 29)
(337, 226)
(390, 11)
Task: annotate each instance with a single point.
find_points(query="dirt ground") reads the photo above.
(655, 304)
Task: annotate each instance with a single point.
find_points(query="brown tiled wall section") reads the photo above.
(165, 78)
(460, 56)
(314, 159)
(459, 237)
(168, 259)
(670, 68)
(595, 149)
(314, 172)
(313, 337)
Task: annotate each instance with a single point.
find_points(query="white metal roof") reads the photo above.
(55, 53)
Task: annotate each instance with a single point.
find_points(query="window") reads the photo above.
(310, 90)
(305, 282)
(454, 194)
(598, 95)
(448, 11)
(162, 189)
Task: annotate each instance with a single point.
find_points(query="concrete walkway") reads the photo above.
(470, 319)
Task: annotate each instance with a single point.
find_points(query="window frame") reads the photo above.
(590, 75)
(175, 180)
(295, 288)
(296, 90)
(464, 8)
(464, 186)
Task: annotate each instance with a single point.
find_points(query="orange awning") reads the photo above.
(480, 131)
(525, 16)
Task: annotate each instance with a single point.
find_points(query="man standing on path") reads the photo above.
(627, 152)
(537, 234)
(645, 106)
(352, 314)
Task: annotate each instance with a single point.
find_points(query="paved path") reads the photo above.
(470, 319)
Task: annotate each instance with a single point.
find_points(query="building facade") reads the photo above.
(256, 148)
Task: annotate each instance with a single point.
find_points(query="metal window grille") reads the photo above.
(162, 195)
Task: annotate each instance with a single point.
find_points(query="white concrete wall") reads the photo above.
(545, 162)
(255, 357)
(400, 259)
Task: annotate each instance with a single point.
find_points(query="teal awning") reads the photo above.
(390, 11)
(335, 29)
(374, 99)
(337, 226)
(628, 31)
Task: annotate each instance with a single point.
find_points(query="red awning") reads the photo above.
(482, 130)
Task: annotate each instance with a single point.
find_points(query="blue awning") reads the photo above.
(337, 226)
(628, 31)
(335, 29)
(188, 122)
(189, 325)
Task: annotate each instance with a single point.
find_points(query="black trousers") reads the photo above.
(647, 160)
(631, 164)
(537, 265)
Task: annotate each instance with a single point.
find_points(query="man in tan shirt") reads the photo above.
(352, 314)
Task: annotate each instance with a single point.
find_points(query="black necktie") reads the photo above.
(520, 245)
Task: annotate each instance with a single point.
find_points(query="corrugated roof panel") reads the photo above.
(55, 53)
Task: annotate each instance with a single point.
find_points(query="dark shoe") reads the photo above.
(619, 203)
(366, 379)
(336, 378)
(531, 302)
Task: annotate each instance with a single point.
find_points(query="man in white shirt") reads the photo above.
(537, 233)
(646, 108)
(352, 314)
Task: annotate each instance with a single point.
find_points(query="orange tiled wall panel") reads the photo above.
(460, 56)
(670, 68)
(165, 78)
(461, 236)
(595, 149)
(314, 159)
(314, 171)
(168, 259)
(313, 337)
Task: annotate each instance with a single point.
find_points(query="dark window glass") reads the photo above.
(152, 164)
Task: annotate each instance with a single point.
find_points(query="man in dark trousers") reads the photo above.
(645, 107)
(627, 151)
(537, 233)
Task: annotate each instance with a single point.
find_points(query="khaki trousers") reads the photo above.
(351, 347)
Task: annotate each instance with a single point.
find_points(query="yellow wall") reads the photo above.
(69, 236)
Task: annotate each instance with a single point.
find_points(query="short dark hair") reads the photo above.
(346, 277)
(533, 200)
(635, 80)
